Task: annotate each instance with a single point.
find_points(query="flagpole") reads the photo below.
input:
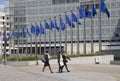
(35, 41)
(49, 38)
(55, 36)
(40, 40)
(65, 33)
(45, 41)
(9, 40)
(92, 31)
(78, 39)
(31, 43)
(84, 30)
(22, 43)
(17, 47)
(71, 34)
(60, 34)
(100, 36)
(110, 33)
(26, 41)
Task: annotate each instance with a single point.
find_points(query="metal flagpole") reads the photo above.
(71, 34)
(9, 40)
(17, 46)
(31, 43)
(35, 42)
(84, 30)
(110, 33)
(92, 30)
(78, 46)
(100, 36)
(26, 41)
(55, 36)
(65, 33)
(60, 35)
(49, 38)
(40, 40)
(22, 43)
(45, 41)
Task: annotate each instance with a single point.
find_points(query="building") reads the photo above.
(4, 21)
(25, 12)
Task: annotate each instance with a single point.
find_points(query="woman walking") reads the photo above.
(65, 60)
(46, 62)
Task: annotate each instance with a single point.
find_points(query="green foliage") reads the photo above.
(39, 57)
(0, 59)
(12, 58)
(23, 58)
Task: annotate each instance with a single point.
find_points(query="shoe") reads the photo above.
(51, 72)
(68, 71)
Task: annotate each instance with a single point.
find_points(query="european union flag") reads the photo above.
(23, 33)
(94, 12)
(32, 29)
(62, 24)
(46, 25)
(42, 30)
(75, 19)
(37, 30)
(88, 14)
(17, 34)
(68, 21)
(52, 24)
(81, 12)
(56, 26)
(104, 9)
(28, 32)
(11, 35)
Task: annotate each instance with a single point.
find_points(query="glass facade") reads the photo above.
(27, 12)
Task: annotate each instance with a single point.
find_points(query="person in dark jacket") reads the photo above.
(46, 62)
(60, 62)
(65, 60)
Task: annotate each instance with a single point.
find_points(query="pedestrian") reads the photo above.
(60, 62)
(65, 60)
(46, 62)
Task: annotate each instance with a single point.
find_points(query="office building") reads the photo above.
(23, 13)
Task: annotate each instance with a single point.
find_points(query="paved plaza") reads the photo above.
(77, 73)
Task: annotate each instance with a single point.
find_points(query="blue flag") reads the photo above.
(17, 34)
(37, 31)
(11, 35)
(62, 24)
(32, 29)
(52, 24)
(23, 33)
(104, 9)
(46, 25)
(75, 19)
(68, 21)
(88, 14)
(94, 12)
(42, 30)
(28, 32)
(81, 12)
(57, 27)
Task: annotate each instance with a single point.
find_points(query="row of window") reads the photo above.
(63, 1)
(3, 17)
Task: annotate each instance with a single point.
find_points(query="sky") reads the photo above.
(2, 5)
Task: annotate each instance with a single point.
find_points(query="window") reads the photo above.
(3, 17)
